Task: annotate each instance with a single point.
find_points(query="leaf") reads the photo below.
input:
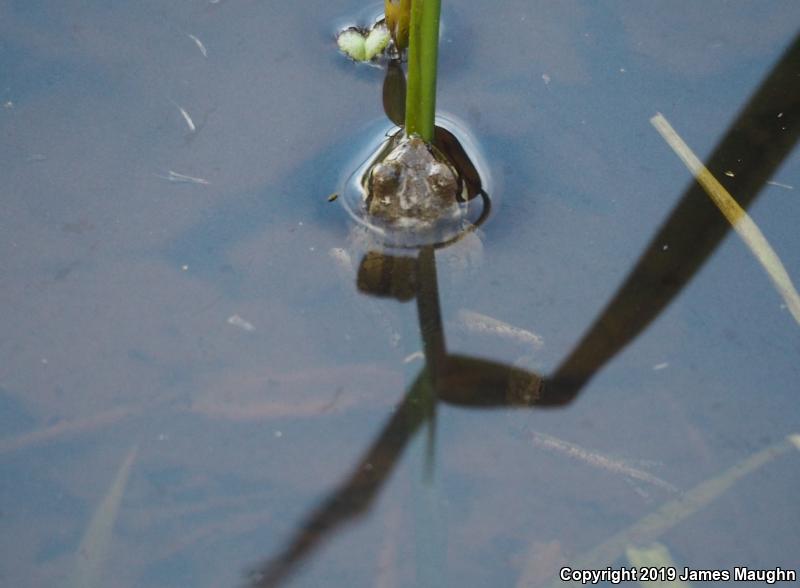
(376, 42)
(352, 44)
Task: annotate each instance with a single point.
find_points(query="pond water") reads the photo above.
(196, 391)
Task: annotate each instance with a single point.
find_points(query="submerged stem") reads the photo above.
(423, 52)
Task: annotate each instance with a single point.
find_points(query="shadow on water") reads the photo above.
(691, 233)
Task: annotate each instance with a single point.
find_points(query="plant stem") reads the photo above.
(423, 52)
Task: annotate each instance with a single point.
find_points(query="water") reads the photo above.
(209, 324)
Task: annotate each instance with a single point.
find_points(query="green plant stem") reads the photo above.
(423, 53)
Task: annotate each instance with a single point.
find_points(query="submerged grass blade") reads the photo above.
(649, 528)
(735, 214)
(654, 556)
(65, 428)
(94, 546)
(597, 460)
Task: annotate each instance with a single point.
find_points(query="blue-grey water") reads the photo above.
(182, 286)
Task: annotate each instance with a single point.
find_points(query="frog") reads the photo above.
(414, 188)
(407, 197)
(411, 194)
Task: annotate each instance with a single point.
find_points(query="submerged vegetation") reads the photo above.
(96, 543)
(652, 526)
(735, 215)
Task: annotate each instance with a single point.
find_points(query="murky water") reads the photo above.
(175, 281)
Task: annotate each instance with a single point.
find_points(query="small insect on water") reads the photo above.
(333, 197)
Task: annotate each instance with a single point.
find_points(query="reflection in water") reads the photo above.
(754, 146)
(690, 235)
(460, 380)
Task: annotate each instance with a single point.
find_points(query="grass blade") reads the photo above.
(655, 556)
(650, 527)
(93, 549)
(735, 214)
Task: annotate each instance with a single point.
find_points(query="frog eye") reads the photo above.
(385, 175)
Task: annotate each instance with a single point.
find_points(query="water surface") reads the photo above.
(209, 324)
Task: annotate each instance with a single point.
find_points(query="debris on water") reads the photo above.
(735, 214)
(333, 197)
(546, 79)
(182, 178)
(278, 434)
(660, 366)
(414, 356)
(480, 323)
(664, 247)
(199, 44)
(8, 105)
(185, 267)
(237, 321)
(187, 118)
(779, 185)
(597, 460)
(730, 174)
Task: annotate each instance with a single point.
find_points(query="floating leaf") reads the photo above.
(377, 40)
(352, 44)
